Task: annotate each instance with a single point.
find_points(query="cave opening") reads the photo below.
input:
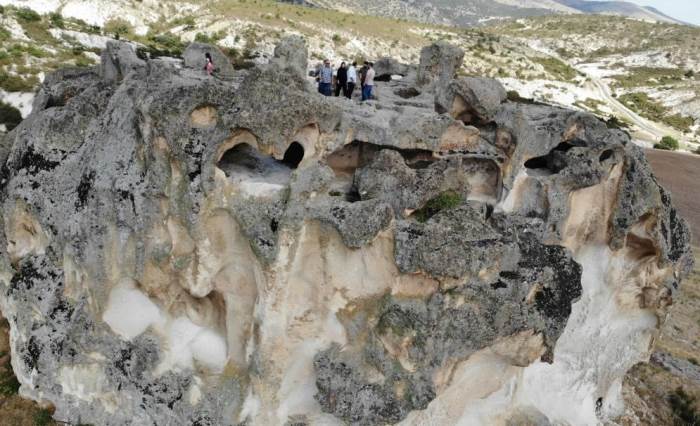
(254, 171)
(293, 155)
(555, 161)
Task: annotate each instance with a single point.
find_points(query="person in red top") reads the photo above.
(209, 67)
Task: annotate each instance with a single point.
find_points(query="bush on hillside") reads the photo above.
(9, 116)
(117, 28)
(684, 408)
(668, 143)
(56, 20)
(28, 15)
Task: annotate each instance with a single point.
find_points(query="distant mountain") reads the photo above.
(621, 8)
(473, 12)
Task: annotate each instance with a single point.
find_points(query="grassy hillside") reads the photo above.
(650, 67)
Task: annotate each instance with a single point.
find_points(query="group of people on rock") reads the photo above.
(345, 79)
(331, 81)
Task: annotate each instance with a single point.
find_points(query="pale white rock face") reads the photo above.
(20, 100)
(15, 29)
(130, 312)
(41, 6)
(92, 41)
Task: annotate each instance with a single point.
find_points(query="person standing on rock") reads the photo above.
(369, 82)
(352, 80)
(341, 80)
(363, 74)
(209, 66)
(325, 78)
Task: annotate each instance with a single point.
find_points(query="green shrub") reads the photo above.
(684, 410)
(514, 96)
(117, 28)
(648, 108)
(42, 417)
(163, 45)
(15, 83)
(668, 143)
(83, 61)
(446, 200)
(56, 20)
(614, 122)
(240, 61)
(557, 68)
(9, 116)
(27, 15)
(209, 38)
(4, 33)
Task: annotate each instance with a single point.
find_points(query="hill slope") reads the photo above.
(471, 12)
(580, 61)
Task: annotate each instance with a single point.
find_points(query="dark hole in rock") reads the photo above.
(358, 154)
(554, 161)
(274, 225)
(293, 155)
(598, 405)
(407, 92)
(353, 195)
(383, 77)
(243, 163)
(606, 154)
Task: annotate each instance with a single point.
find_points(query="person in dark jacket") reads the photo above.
(341, 80)
(363, 74)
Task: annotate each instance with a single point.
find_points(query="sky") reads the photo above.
(685, 10)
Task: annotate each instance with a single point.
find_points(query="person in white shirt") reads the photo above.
(369, 82)
(352, 80)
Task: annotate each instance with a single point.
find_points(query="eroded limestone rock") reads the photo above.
(471, 99)
(182, 249)
(438, 63)
(194, 57)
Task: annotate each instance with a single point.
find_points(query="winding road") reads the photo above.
(655, 131)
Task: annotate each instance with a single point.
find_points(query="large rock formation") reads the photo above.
(179, 249)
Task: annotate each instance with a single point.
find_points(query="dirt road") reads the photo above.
(680, 174)
(655, 131)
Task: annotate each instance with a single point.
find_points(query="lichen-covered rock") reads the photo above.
(386, 67)
(118, 60)
(438, 63)
(194, 57)
(471, 99)
(291, 51)
(184, 249)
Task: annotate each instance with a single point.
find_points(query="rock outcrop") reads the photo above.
(194, 57)
(387, 67)
(471, 99)
(181, 249)
(438, 63)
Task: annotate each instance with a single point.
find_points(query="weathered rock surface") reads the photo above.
(194, 57)
(386, 67)
(292, 52)
(438, 63)
(471, 99)
(180, 249)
